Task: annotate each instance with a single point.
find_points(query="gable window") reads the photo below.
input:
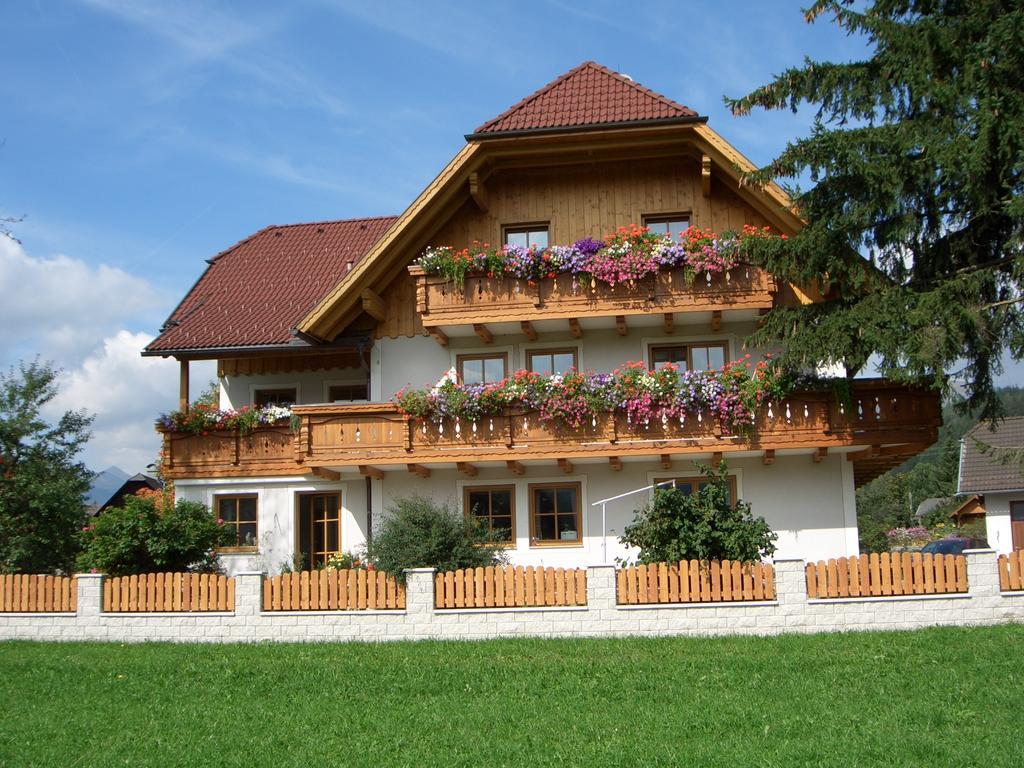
(495, 508)
(555, 515)
(690, 485)
(672, 224)
(275, 396)
(527, 235)
(690, 357)
(344, 392)
(547, 362)
(239, 515)
(481, 369)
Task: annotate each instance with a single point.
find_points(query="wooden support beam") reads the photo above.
(183, 386)
(528, 330)
(615, 463)
(326, 474)
(666, 461)
(670, 323)
(875, 451)
(565, 465)
(439, 336)
(705, 175)
(419, 469)
(716, 320)
(478, 191)
(482, 331)
(768, 457)
(376, 474)
(575, 329)
(515, 467)
(819, 454)
(466, 468)
(620, 325)
(716, 459)
(867, 453)
(374, 305)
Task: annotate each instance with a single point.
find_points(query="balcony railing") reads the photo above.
(493, 300)
(889, 421)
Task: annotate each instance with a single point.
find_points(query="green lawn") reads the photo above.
(936, 697)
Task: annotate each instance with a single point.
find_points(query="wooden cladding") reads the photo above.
(349, 357)
(494, 300)
(330, 589)
(887, 574)
(695, 581)
(1011, 571)
(510, 587)
(160, 592)
(32, 593)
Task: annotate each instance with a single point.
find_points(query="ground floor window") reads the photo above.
(319, 528)
(555, 514)
(495, 508)
(239, 515)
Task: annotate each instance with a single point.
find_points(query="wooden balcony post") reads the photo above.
(183, 386)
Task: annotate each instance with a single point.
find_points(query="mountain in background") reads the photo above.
(105, 483)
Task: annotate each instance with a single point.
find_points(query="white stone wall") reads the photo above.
(792, 612)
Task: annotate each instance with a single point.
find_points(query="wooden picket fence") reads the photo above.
(24, 593)
(151, 592)
(695, 581)
(333, 590)
(1011, 571)
(880, 575)
(510, 587)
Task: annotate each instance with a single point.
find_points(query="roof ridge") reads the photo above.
(328, 221)
(539, 92)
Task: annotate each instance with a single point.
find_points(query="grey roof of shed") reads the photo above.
(981, 472)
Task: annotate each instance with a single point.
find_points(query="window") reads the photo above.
(342, 392)
(672, 224)
(495, 508)
(239, 516)
(555, 515)
(549, 361)
(277, 396)
(319, 523)
(481, 369)
(527, 235)
(690, 357)
(690, 485)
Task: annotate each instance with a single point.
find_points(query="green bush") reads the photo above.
(705, 525)
(417, 533)
(144, 537)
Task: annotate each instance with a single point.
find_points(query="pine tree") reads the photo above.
(916, 157)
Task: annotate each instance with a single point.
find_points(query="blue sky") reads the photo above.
(141, 138)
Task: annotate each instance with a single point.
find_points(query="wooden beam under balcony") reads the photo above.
(819, 454)
(478, 191)
(439, 336)
(183, 386)
(374, 305)
(566, 466)
(515, 467)
(483, 332)
(466, 468)
(620, 325)
(768, 457)
(705, 175)
(419, 470)
(670, 323)
(575, 329)
(716, 459)
(615, 463)
(716, 320)
(528, 330)
(666, 461)
(868, 453)
(367, 471)
(326, 474)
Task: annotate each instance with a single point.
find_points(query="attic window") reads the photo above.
(527, 235)
(671, 224)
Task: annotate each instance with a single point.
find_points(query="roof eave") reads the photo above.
(681, 120)
(213, 353)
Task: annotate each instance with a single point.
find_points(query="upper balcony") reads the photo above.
(878, 427)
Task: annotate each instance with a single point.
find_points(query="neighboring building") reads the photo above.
(334, 317)
(998, 481)
(130, 487)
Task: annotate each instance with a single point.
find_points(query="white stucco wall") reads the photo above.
(997, 520)
(236, 391)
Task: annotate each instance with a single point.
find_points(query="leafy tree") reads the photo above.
(916, 157)
(705, 525)
(420, 534)
(42, 483)
(148, 535)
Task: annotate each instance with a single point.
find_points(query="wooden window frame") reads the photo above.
(697, 480)
(310, 566)
(689, 345)
(258, 388)
(518, 229)
(461, 359)
(535, 543)
(664, 218)
(574, 351)
(468, 489)
(236, 549)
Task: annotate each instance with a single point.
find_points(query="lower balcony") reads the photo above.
(878, 427)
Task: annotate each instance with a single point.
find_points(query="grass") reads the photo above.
(934, 697)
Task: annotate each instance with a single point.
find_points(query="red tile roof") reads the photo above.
(589, 95)
(255, 292)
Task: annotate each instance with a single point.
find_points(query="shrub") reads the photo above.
(705, 525)
(144, 536)
(418, 533)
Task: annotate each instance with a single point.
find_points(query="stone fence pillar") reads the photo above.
(419, 593)
(790, 582)
(601, 587)
(982, 572)
(249, 593)
(90, 594)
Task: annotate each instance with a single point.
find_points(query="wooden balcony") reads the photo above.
(881, 426)
(484, 300)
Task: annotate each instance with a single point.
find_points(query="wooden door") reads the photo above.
(1017, 523)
